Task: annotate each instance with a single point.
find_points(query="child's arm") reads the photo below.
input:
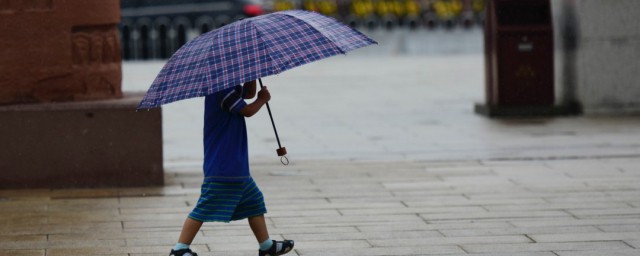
(251, 109)
(250, 89)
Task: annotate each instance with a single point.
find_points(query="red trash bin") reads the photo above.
(518, 58)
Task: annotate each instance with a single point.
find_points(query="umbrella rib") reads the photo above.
(260, 35)
(319, 31)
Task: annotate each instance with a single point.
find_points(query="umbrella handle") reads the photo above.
(281, 150)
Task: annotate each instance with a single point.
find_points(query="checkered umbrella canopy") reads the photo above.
(247, 50)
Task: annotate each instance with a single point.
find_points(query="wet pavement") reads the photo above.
(379, 104)
(388, 158)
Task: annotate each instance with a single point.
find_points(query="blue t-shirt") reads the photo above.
(226, 156)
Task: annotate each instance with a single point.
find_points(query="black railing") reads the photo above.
(156, 33)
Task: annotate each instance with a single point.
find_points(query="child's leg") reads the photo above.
(268, 246)
(259, 228)
(189, 230)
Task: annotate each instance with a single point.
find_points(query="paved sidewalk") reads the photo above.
(332, 207)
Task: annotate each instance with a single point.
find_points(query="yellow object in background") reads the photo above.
(477, 6)
(283, 5)
(362, 8)
(448, 9)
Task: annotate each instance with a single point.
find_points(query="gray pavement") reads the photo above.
(387, 159)
(382, 103)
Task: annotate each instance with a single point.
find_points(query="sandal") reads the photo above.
(285, 247)
(183, 252)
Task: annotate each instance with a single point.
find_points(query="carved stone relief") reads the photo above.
(59, 50)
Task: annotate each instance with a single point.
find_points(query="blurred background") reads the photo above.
(423, 76)
(155, 29)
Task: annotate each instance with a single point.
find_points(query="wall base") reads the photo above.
(81, 144)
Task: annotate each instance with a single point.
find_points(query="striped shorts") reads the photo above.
(227, 201)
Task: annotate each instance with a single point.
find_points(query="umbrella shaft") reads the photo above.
(271, 117)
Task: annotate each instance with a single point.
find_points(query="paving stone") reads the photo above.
(605, 212)
(341, 206)
(461, 200)
(629, 252)
(492, 215)
(517, 231)
(450, 240)
(116, 250)
(363, 236)
(405, 250)
(379, 219)
(295, 230)
(575, 222)
(557, 206)
(583, 237)
(101, 243)
(634, 242)
(411, 210)
(23, 242)
(619, 228)
(501, 254)
(528, 247)
(22, 252)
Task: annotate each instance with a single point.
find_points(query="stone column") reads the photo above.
(64, 121)
(600, 53)
(55, 50)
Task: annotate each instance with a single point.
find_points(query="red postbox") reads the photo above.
(518, 58)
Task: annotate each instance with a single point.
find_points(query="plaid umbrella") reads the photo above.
(247, 50)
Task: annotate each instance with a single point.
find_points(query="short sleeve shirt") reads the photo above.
(226, 155)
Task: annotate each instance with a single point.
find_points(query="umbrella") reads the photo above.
(248, 50)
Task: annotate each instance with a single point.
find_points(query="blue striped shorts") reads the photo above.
(227, 201)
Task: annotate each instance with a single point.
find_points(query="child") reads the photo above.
(228, 191)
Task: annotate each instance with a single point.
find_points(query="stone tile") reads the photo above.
(575, 222)
(585, 237)
(635, 242)
(22, 206)
(346, 219)
(111, 235)
(156, 210)
(411, 210)
(363, 236)
(303, 213)
(531, 247)
(629, 252)
(474, 232)
(606, 212)
(427, 250)
(22, 252)
(619, 228)
(154, 224)
(493, 215)
(62, 228)
(463, 201)
(351, 244)
(236, 252)
(116, 250)
(96, 244)
(557, 206)
(450, 240)
(501, 254)
(341, 206)
(23, 242)
(292, 231)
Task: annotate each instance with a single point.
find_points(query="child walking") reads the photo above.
(228, 191)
